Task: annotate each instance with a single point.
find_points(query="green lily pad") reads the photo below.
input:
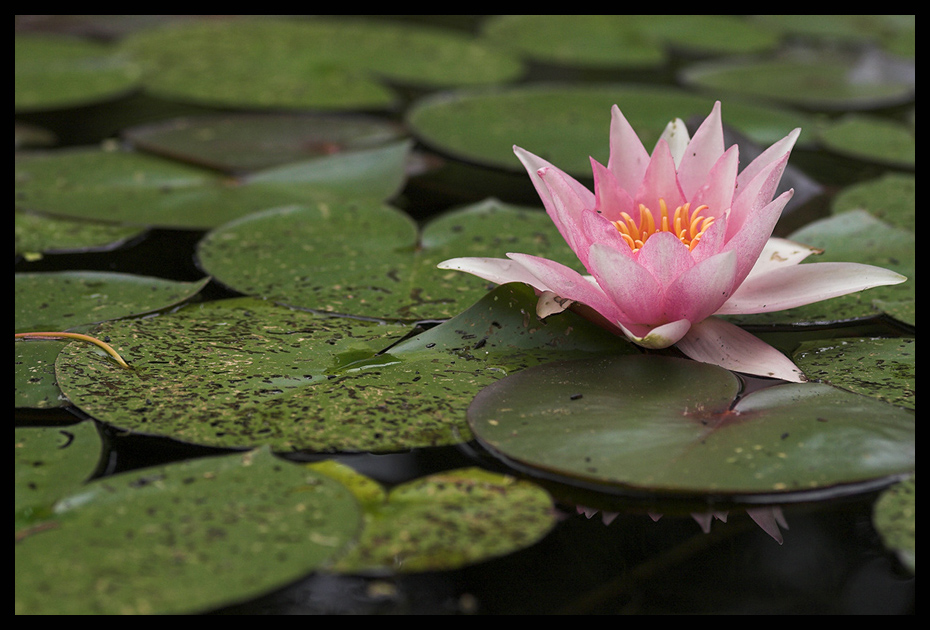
(853, 236)
(238, 143)
(367, 260)
(35, 235)
(50, 462)
(138, 189)
(623, 41)
(895, 519)
(872, 139)
(443, 521)
(34, 382)
(605, 41)
(241, 373)
(566, 124)
(882, 368)
(821, 82)
(891, 198)
(185, 537)
(890, 31)
(667, 425)
(59, 300)
(308, 63)
(57, 72)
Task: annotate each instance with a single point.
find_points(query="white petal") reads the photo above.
(797, 285)
(497, 270)
(659, 337)
(551, 304)
(676, 135)
(780, 252)
(721, 343)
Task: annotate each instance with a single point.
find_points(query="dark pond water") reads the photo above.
(832, 559)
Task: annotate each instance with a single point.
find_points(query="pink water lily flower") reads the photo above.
(673, 238)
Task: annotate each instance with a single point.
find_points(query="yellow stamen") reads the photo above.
(687, 226)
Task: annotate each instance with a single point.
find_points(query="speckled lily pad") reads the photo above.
(184, 537)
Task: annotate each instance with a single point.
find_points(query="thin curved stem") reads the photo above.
(66, 335)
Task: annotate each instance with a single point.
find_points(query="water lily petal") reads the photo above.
(702, 289)
(630, 285)
(702, 154)
(797, 285)
(780, 252)
(568, 283)
(719, 342)
(777, 152)
(497, 270)
(749, 242)
(534, 163)
(660, 336)
(598, 229)
(665, 257)
(754, 195)
(611, 198)
(628, 157)
(716, 191)
(676, 137)
(660, 181)
(566, 210)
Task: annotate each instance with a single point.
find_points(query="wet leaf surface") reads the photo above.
(184, 537)
(442, 521)
(244, 372)
(671, 425)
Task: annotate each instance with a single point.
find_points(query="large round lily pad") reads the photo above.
(138, 189)
(481, 126)
(243, 372)
(667, 425)
(184, 537)
(821, 82)
(65, 299)
(56, 72)
(368, 259)
(308, 63)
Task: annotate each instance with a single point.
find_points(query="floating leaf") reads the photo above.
(661, 424)
(895, 518)
(872, 139)
(35, 235)
(246, 142)
(365, 259)
(50, 462)
(50, 301)
(483, 126)
(604, 41)
(34, 383)
(138, 189)
(891, 198)
(443, 521)
(820, 82)
(184, 537)
(243, 372)
(317, 63)
(56, 72)
(881, 368)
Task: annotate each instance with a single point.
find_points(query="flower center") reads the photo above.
(687, 226)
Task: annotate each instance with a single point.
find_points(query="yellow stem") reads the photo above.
(66, 335)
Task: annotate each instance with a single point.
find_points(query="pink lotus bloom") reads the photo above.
(673, 238)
